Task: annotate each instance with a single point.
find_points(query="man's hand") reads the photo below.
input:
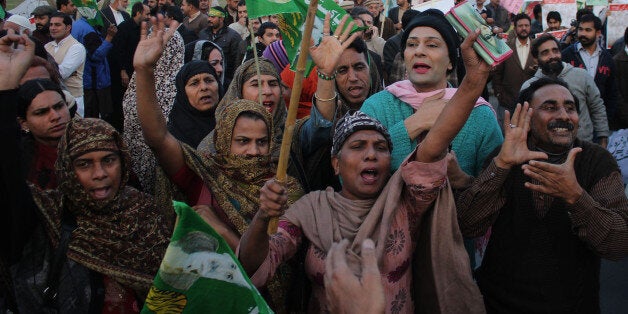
(515, 149)
(273, 199)
(347, 293)
(327, 54)
(14, 62)
(111, 32)
(556, 180)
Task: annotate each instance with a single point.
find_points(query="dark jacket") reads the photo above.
(109, 19)
(509, 76)
(621, 76)
(604, 79)
(229, 41)
(124, 44)
(187, 35)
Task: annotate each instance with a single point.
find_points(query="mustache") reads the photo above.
(561, 124)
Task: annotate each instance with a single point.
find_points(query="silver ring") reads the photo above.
(512, 126)
(337, 37)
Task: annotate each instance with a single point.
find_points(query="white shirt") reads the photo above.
(73, 58)
(590, 60)
(522, 51)
(117, 15)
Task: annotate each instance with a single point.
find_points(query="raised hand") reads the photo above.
(273, 200)
(515, 150)
(347, 293)
(327, 54)
(555, 180)
(149, 50)
(477, 69)
(13, 61)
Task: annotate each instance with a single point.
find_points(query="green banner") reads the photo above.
(292, 26)
(200, 273)
(89, 10)
(258, 8)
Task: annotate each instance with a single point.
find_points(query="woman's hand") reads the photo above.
(273, 200)
(149, 50)
(327, 54)
(515, 150)
(14, 62)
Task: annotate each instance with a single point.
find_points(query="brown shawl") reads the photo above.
(124, 237)
(442, 273)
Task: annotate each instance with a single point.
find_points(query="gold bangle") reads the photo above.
(330, 99)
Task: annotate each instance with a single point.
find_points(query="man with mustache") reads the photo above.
(593, 121)
(556, 205)
(598, 62)
(42, 14)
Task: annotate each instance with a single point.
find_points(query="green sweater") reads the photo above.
(480, 135)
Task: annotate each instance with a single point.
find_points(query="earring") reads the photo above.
(27, 131)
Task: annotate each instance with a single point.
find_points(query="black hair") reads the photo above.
(407, 17)
(528, 93)
(194, 3)
(266, 25)
(553, 15)
(62, 2)
(537, 11)
(359, 10)
(597, 23)
(242, 3)
(30, 89)
(137, 7)
(174, 12)
(521, 16)
(582, 12)
(358, 45)
(534, 48)
(67, 20)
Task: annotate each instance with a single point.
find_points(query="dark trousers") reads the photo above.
(98, 103)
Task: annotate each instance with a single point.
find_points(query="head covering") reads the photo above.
(276, 53)
(369, 2)
(123, 237)
(186, 123)
(243, 73)
(200, 50)
(353, 122)
(217, 11)
(44, 10)
(435, 19)
(23, 22)
(234, 181)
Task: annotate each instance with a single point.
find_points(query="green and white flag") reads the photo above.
(2, 13)
(200, 273)
(292, 25)
(89, 10)
(259, 8)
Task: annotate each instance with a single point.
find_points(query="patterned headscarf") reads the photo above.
(352, 123)
(124, 237)
(235, 179)
(243, 73)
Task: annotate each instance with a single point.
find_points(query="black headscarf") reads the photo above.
(185, 122)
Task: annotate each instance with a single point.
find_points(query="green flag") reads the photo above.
(292, 26)
(2, 13)
(200, 273)
(258, 8)
(89, 10)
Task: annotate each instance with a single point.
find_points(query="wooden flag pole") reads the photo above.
(284, 154)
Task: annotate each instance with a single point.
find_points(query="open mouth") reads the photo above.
(268, 105)
(369, 176)
(100, 193)
(421, 67)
